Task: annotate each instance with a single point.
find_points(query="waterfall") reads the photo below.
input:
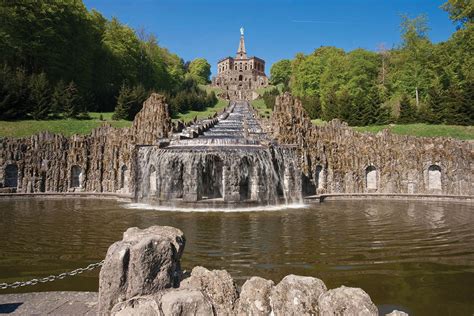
(225, 164)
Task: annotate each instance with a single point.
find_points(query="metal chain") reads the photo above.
(50, 278)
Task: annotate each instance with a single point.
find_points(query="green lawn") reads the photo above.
(318, 122)
(66, 127)
(70, 127)
(190, 115)
(259, 104)
(419, 129)
(423, 130)
(261, 107)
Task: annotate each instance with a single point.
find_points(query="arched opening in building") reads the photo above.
(212, 177)
(371, 178)
(308, 186)
(11, 176)
(318, 177)
(240, 77)
(123, 177)
(245, 180)
(177, 185)
(434, 177)
(152, 179)
(42, 186)
(76, 176)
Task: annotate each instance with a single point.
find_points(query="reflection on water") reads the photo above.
(417, 256)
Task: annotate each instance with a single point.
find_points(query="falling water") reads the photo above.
(230, 162)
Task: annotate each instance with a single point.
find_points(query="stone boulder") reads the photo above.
(217, 285)
(170, 302)
(143, 262)
(185, 302)
(397, 313)
(297, 295)
(255, 297)
(139, 305)
(346, 301)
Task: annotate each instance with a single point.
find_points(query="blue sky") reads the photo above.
(274, 29)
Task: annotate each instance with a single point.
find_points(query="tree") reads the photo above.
(200, 70)
(407, 111)
(460, 11)
(129, 102)
(72, 103)
(281, 72)
(413, 70)
(40, 97)
(14, 97)
(312, 105)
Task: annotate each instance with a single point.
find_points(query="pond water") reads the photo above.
(414, 256)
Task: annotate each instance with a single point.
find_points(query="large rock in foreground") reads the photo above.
(217, 285)
(346, 301)
(297, 295)
(144, 262)
(141, 275)
(255, 297)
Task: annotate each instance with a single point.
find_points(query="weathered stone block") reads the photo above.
(297, 295)
(144, 262)
(217, 285)
(346, 301)
(255, 297)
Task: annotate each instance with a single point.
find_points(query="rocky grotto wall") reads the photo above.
(333, 159)
(336, 159)
(102, 161)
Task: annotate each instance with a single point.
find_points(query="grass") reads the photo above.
(190, 115)
(318, 122)
(261, 107)
(208, 88)
(259, 104)
(66, 127)
(261, 91)
(423, 130)
(418, 129)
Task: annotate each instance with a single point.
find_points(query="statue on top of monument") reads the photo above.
(241, 30)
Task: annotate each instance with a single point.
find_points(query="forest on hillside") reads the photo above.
(59, 59)
(419, 81)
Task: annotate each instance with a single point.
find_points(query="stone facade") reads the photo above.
(336, 159)
(240, 76)
(321, 159)
(102, 161)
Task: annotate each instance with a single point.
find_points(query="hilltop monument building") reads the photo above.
(240, 76)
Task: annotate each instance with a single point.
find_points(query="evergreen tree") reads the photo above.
(40, 97)
(72, 103)
(14, 95)
(407, 111)
(58, 98)
(435, 111)
(129, 102)
(312, 106)
(124, 103)
(331, 108)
